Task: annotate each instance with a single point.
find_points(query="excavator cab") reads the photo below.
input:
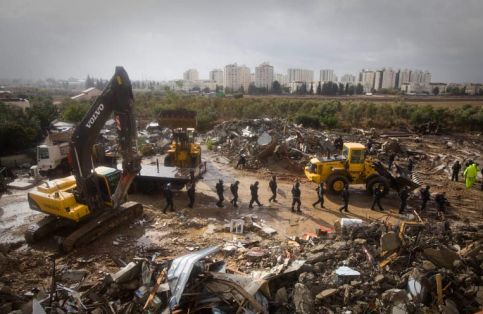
(108, 179)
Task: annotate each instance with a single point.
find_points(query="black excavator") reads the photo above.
(92, 201)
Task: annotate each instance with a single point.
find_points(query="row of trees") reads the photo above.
(317, 112)
(329, 89)
(97, 83)
(24, 129)
(21, 129)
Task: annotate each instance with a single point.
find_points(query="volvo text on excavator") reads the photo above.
(92, 201)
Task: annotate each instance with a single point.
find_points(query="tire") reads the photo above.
(335, 183)
(377, 181)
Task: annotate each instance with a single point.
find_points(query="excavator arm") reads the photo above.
(117, 99)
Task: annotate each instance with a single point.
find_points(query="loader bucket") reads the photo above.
(403, 179)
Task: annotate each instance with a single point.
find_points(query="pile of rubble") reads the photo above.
(355, 267)
(259, 139)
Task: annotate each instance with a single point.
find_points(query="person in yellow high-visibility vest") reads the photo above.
(470, 174)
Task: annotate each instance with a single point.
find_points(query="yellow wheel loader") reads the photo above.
(352, 166)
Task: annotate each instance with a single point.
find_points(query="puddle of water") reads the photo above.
(153, 238)
(15, 215)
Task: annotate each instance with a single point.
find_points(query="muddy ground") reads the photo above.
(173, 234)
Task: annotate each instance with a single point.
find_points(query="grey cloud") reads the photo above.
(161, 39)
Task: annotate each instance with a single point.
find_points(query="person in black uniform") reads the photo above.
(254, 193)
(241, 162)
(168, 194)
(345, 198)
(234, 192)
(456, 171)
(403, 198)
(441, 202)
(392, 157)
(338, 144)
(376, 198)
(425, 196)
(320, 195)
(191, 193)
(410, 165)
(219, 191)
(296, 197)
(273, 187)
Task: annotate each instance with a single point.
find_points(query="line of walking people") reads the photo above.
(378, 194)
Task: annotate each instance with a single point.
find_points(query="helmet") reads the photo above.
(168, 185)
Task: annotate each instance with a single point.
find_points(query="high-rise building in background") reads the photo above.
(264, 76)
(191, 75)
(327, 75)
(427, 78)
(403, 77)
(366, 79)
(236, 77)
(348, 78)
(377, 80)
(245, 77)
(300, 75)
(230, 80)
(216, 76)
(281, 78)
(388, 79)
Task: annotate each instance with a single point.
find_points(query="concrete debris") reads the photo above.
(390, 242)
(441, 256)
(326, 293)
(394, 296)
(260, 139)
(281, 296)
(251, 273)
(302, 299)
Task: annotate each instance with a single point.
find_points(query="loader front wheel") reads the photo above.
(336, 183)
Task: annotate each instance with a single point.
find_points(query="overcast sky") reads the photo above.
(161, 39)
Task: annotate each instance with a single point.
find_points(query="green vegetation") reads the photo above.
(20, 130)
(316, 113)
(74, 111)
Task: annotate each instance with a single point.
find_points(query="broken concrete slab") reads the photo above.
(317, 257)
(326, 293)
(125, 274)
(74, 275)
(281, 296)
(390, 242)
(441, 256)
(394, 296)
(302, 299)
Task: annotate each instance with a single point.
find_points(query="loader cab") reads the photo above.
(108, 181)
(354, 156)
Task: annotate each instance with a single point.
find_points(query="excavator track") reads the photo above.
(44, 228)
(100, 225)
